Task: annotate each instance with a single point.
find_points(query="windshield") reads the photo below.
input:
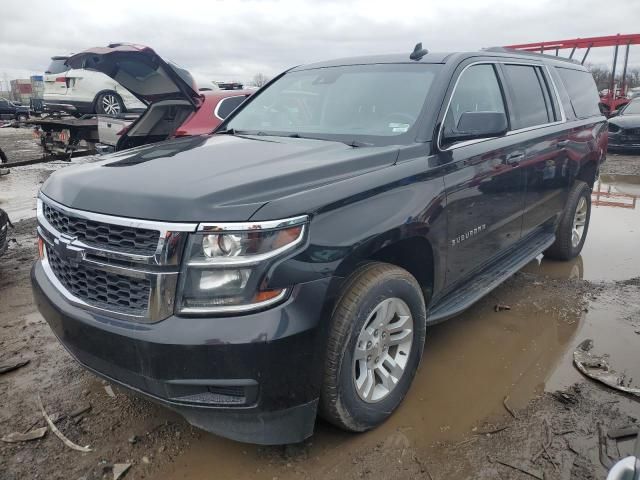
(367, 103)
(632, 108)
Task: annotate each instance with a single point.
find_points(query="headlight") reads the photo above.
(225, 264)
(614, 128)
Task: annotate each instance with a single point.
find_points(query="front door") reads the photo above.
(484, 184)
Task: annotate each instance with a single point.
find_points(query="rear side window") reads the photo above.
(582, 92)
(57, 66)
(228, 105)
(531, 99)
(477, 90)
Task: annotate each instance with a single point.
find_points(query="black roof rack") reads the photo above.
(530, 54)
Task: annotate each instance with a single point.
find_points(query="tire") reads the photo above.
(567, 245)
(23, 117)
(109, 103)
(361, 303)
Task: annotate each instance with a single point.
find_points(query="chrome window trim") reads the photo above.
(237, 308)
(215, 110)
(563, 118)
(249, 226)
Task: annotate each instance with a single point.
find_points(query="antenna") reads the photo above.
(418, 52)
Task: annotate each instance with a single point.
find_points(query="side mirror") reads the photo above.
(472, 125)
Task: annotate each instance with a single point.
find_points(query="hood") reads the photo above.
(212, 178)
(626, 121)
(141, 71)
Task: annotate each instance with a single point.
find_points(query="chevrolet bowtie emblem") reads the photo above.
(66, 251)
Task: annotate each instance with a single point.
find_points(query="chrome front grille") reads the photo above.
(126, 267)
(102, 289)
(103, 235)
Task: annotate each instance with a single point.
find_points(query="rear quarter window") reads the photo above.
(228, 105)
(582, 91)
(57, 66)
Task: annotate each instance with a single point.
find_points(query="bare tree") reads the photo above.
(601, 75)
(260, 79)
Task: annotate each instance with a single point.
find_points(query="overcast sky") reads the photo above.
(234, 39)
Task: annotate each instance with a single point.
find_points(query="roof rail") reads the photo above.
(530, 54)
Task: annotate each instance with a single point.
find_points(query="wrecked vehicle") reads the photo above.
(171, 102)
(290, 264)
(624, 127)
(12, 111)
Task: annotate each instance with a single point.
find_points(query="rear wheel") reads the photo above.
(571, 232)
(375, 344)
(109, 103)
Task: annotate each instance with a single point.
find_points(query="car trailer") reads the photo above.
(615, 98)
(64, 136)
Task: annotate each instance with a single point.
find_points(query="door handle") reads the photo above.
(562, 143)
(514, 158)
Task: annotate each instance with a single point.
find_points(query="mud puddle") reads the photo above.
(611, 249)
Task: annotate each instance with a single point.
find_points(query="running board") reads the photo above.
(461, 298)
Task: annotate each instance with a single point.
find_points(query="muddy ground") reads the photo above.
(454, 423)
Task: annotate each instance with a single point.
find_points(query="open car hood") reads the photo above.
(141, 71)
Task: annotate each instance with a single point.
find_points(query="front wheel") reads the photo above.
(375, 344)
(571, 232)
(109, 103)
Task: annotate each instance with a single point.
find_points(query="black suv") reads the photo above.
(291, 263)
(13, 111)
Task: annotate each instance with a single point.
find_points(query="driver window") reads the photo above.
(477, 90)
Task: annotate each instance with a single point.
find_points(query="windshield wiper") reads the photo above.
(352, 143)
(228, 131)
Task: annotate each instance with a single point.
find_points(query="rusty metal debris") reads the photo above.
(16, 437)
(597, 368)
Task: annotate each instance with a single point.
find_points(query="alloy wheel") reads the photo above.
(579, 222)
(382, 350)
(110, 104)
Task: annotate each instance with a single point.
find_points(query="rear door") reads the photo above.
(484, 186)
(540, 128)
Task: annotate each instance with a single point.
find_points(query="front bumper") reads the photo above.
(620, 142)
(252, 378)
